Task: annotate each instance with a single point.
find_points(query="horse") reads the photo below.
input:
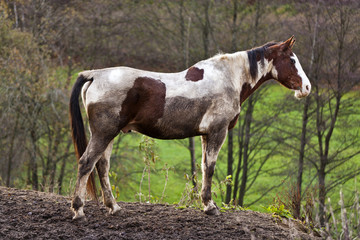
(203, 100)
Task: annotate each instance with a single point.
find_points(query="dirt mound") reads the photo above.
(26, 214)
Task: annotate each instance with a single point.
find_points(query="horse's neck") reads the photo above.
(246, 84)
(242, 70)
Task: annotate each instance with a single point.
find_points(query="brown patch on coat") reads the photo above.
(224, 58)
(182, 117)
(144, 105)
(194, 74)
(247, 90)
(233, 122)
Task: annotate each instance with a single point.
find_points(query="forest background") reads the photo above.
(282, 151)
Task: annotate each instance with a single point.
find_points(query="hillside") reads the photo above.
(27, 214)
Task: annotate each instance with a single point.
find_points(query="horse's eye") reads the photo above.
(292, 60)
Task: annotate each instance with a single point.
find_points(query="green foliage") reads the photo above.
(286, 9)
(278, 211)
(343, 221)
(231, 206)
(115, 189)
(147, 147)
(228, 180)
(191, 196)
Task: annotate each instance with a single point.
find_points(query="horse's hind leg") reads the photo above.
(103, 166)
(92, 154)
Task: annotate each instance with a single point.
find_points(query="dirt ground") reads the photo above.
(26, 214)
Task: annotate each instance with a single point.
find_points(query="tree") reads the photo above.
(306, 115)
(330, 104)
(326, 140)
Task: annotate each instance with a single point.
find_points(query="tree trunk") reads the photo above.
(11, 152)
(238, 168)
(230, 161)
(193, 160)
(322, 191)
(297, 197)
(61, 175)
(206, 29)
(324, 159)
(248, 117)
(184, 37)
(33, 164)
(54, 153)
(16, 16)
(305, 121)
(229, 165)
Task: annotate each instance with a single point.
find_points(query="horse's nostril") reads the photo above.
(307, 87)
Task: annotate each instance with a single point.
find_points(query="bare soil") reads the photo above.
(26, 214)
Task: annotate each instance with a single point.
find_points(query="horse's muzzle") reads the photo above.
(301, 94)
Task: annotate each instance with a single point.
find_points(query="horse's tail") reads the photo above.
(78, 129)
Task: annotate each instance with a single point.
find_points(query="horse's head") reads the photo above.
(287, 69)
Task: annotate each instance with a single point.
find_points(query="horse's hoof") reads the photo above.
(79, 215)
(212, 209)
(115, 209)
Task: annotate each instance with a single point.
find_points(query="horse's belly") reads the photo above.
(180, 118)
(165, 129)
(169, 135)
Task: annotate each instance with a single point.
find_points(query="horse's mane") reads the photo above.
(257, 54)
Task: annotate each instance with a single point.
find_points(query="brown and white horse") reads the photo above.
(204, 100)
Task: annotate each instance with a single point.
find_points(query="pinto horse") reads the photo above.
(204, 100)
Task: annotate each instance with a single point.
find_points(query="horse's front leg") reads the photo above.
(211, 145)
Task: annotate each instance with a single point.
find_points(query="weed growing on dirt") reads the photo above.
(166, 170)
(343, 222)
(147, 147)
(299, 205)
(278, 210)
(71, 188)
(191, 195)
(115, 189)
(231, 206)
(220, 185)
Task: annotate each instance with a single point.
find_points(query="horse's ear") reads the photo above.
(288, 44)
(292, 42)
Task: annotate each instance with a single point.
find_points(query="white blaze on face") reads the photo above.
(306, 86)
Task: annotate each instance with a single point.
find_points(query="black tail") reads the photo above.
(78, 129)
